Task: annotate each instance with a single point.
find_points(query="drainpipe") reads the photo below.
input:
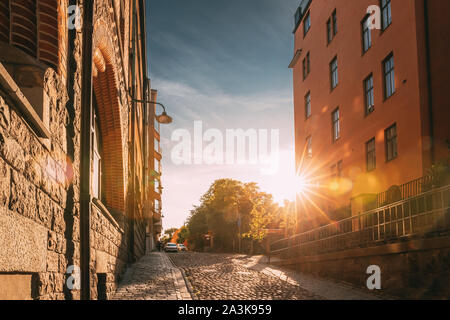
(132, 189)
(85, 165)
(145, 140)
(429, 85)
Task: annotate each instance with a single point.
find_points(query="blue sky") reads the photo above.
(224, 63)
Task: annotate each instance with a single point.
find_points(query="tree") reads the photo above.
(170, 232)
(231, 210)
(183, 234)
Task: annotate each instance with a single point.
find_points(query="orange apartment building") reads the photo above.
(371, 106)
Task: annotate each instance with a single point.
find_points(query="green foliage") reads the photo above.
(231, 209)
(170, 232)
(183, 234)
(164, 240)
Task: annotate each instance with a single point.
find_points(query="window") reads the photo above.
(157, 205)
(335, 124)
(386, 17)
(368, 94)
(157, 149)
(334, 18)
(339, 168)
(370, 155)
(336, 170)
(31, 26)
(157, 185)
(308, 105)
(366, 34)
(306, 66)
(309, 147)
(334, 73)
(391, 142)
(329, 31)
(156, 125)
(332, 27)
(157, 167)
(97, 161)
(307, 24)
(389, 79)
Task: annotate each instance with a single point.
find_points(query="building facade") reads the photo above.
(371, 110)
(77, 199)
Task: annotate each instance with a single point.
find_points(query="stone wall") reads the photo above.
(417, 269)
(40, 185)
(34, 184)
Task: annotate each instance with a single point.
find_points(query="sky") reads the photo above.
(224, 63)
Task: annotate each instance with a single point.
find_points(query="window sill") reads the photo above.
(102, 208)
(368, 114)
(391, 160)
(365, 52)
(388, 98)
(336, 140)
(385, 29)
(8, 84)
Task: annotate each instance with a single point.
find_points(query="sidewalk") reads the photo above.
(327, 289)
(153, 277)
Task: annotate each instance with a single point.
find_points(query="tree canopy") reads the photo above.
(230, 210)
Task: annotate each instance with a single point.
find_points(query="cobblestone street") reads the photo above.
(205, 276)
(153, 278)
(225, 277)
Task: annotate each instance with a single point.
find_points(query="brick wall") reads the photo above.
(40, 178)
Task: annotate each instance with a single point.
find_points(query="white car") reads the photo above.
(171, 247)
(182, 247)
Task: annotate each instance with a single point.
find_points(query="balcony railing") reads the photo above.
(425, 214)
(405, 191)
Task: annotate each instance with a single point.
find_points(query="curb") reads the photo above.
(186, 281)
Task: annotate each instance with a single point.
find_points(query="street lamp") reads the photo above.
(163, 118)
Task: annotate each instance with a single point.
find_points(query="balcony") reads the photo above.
(157, 227)
(157, 216)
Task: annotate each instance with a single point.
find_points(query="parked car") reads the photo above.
(171, 247)
(182, 247)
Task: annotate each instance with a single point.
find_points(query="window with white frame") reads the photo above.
(336, 124)
(97, 160)
(386, 14)
(389, 76)
(334, 73)
(308, 105)
(368, 94)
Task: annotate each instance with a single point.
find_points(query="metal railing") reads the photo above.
(407, 190)
(425, 214)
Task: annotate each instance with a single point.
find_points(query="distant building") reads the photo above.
(73, 196)
(371, 105)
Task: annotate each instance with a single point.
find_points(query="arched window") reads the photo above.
(31, 26)
(97, 158)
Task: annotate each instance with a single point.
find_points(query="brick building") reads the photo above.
(79, 193)
(371, 110)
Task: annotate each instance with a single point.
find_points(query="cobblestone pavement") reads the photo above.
(225, 277)
(161, 276)
(153, 277)
(325, 288)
